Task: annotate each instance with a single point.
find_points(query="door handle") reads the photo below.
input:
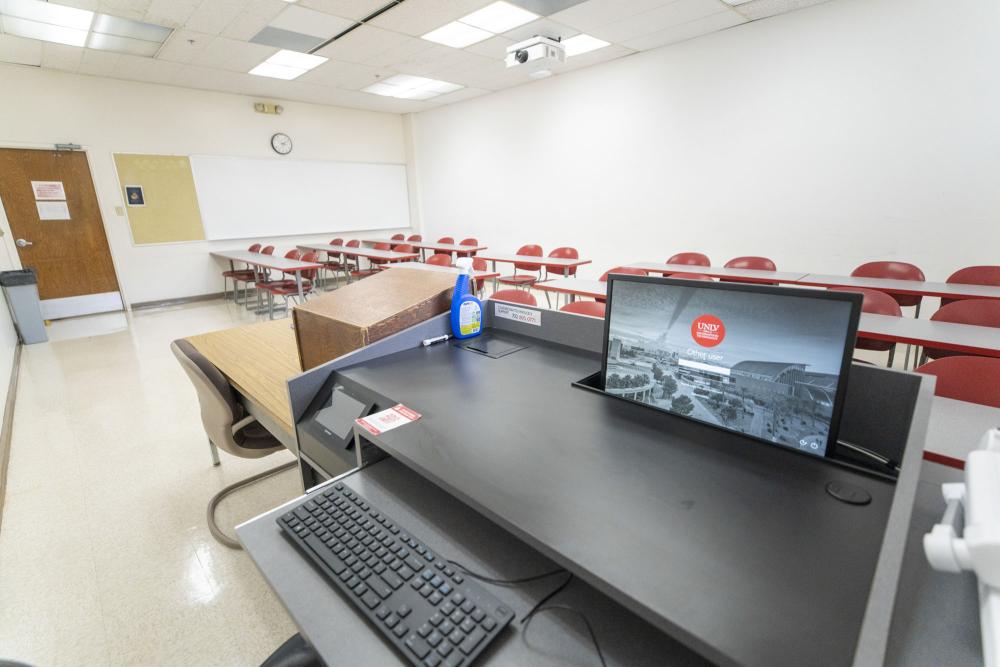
(21, 243)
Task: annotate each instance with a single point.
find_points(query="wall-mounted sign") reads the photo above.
(134, 195)
(52, 210)
(48, 190)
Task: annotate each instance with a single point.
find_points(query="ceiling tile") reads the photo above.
(612, 52)
(594, 13)
(171, 13)
(419, 17)
(352, 9)
(254, 17)
(61, 57)
(130, 9)
(400, 53)
(459, 95)
(90, 5)
(348, 76)
(183, 45)
(363, 44)
(98, 63)
(310, 22)
(230, 54)
(495, 47)
(149, 70)
(662, 18)
(20, 50)
(212, 16)
(543, 27)
(679, 33)
(763, 8)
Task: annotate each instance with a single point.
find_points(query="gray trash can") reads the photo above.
(20, 288)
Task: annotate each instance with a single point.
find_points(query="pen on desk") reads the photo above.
(440, 339)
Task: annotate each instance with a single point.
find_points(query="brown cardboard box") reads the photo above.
(368, 310)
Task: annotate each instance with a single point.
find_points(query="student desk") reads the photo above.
(565, 263)
(742, 275)
(292, 266)
(423, 246)
(258, 360)
(367, 253)
(943, 290)
(477, 275)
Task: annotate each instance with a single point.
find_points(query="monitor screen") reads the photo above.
(767, 362)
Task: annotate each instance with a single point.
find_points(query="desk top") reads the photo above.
(478, 275)
(577, 286)
(967, 338)
(370, 253)
(946, 290)
(564, 262)
(266, 261)
(258, 359)
(429, 245)
(777, 563)
(743, 275)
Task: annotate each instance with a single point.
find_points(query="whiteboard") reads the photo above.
(257, 197)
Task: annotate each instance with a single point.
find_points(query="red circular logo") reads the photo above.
(708, 330)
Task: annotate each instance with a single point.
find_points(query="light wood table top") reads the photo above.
(266, 261)
(258, 359)
(368, 253)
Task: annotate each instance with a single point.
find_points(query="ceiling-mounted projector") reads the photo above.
(537, 53)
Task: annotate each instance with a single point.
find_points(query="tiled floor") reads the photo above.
(105, 557)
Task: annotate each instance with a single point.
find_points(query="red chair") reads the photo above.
(980, 312)
(519, 280)
(446, 240)
(415, 238)
(751, 262)
(590, 308)
(970, 379)
(289, 288)
(469, 241)
(398, 237)
(267, 250)
(625, 270)
(478, 264)
(244, 276)
(439, 259)
(974, 275)
(375, 265)
(334, 265)
(690, 276)
(690, 258)
(877, 303)
(402, 247)
(894, 271)
(515, 296)
(560, 271)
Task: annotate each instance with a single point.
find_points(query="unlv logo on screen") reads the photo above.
(708, 330)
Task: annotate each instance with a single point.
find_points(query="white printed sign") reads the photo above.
(394, 417)
(48, 190)
(52, 210)
(509, 312)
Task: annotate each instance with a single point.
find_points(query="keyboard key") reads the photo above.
(457, 617)
(417, 584)
(353, 581)
(403, 611)
(445, 589)
(455, 660)
(360, 589)
(370, 599)
(478, 614)
(405, 573)
(328, 558)
(391, 621)
(467, 626)
(432, 660)
(400, 630)
(427, 574)
(395, 564)
(472, 641)
(456, 637)
(380, 587)
(417, 646)
(448, 571)
(444, 649)
(436, 581)
(382, 612)
(436, 620)
(489, 623)
(421, 549)
(439, 565)
(446, 628)
(392, 579)
(435, 638)
(426, 590)
(414, 563)
(435, 599)
(429, 557)
(458, 598)
(425, 630)
(467, 606)
(458, 578)
(447, 609)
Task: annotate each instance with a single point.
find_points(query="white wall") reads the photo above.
(107, 116)
(850, 131)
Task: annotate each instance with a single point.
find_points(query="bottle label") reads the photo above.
(469, 318)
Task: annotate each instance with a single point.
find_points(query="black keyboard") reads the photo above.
(425, 607)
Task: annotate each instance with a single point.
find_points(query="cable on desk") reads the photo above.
(884, 460)
(583, 617)
(505, 582)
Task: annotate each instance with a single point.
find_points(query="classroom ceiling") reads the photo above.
(215, 43)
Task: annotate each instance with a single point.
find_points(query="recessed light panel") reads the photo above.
(457, 35)
(136, 47)
(49, 13)
(582, 44)
(45, 32)
(499, 17)
(119, 27)
(287, 65)
(407, 87)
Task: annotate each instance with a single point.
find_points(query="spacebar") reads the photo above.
(323, 552)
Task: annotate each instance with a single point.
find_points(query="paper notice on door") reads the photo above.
(48, 190)
(52, 210)
(394, 417)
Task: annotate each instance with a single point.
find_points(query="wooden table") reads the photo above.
(742, 275)
(367, 253)
(293, 266)
(258, 360)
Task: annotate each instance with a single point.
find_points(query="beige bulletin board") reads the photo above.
(169, 207)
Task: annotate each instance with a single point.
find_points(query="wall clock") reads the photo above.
(281, 143)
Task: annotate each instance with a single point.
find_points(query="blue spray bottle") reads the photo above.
(466, 309)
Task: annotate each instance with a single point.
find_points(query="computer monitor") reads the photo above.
(767, 362)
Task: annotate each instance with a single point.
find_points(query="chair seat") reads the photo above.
(873, 344)
(286, 287)
(244, 274)
(365, 273)
(518, 280)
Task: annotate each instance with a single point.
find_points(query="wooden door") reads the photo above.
(71, 256)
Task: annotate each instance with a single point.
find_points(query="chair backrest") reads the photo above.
(267, 250)
(529, 250)
(515, 296)
(415, 237)
(479, 264)
(627, 270)
(382, 246)
(875, 302)
(690, 276)
(468, 241)
(337, 241)
(447, 240)
(219, 408)
(439, 259)
(893, 271)
(974, 275)
(254, 248)
(311, 256)
(398, 237)
(692, 258)
(751, 262)
(403, 247)
(354, 243)
(971, 379)
(591, 308)
(293, 254)
(565, 252)
(980, 312)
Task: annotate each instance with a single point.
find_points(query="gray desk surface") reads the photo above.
(967, 338)
(947, 290)
(773, 558)
(747, 275)
(511, 258)
(266, 261)
(344, 638)
(369, 253)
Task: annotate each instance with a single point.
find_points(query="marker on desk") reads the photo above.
(440, 339)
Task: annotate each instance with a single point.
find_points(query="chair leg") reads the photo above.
(892, 353)
(213, 527)
(215, 453)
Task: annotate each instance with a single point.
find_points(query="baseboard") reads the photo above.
(7, 429)
(144, 305)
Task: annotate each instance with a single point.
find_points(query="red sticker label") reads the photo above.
(708, 330)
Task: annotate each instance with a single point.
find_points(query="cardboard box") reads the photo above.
(363, 312)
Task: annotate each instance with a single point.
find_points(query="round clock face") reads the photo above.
(281, 143)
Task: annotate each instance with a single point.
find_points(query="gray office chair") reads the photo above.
(227, 426)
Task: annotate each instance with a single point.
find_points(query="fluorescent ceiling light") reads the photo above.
(407, 87)
(733, 3)
(457, 35)
(47, 12)
(287, 65)
(499, 17)
(582, 44)
(137, 47)
(43, 31)
(119, 27)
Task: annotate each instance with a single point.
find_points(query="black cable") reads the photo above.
(583, 617)
(884, 460)
(548, 597)
(505, 582)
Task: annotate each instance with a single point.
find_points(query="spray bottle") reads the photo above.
(466, 309)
